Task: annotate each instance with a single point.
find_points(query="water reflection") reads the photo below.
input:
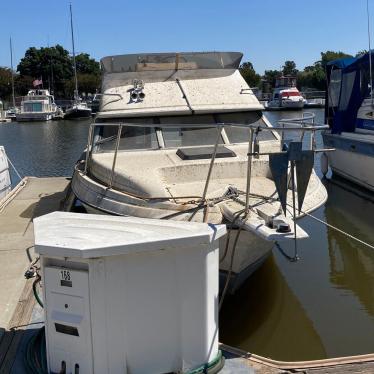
(44, 148)
(352, 264)
(266, 318)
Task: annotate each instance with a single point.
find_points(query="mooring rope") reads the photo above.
(339, 230)
(14, 168)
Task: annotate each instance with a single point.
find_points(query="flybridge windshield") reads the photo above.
(171, 61)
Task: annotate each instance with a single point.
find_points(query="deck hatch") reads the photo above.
(199, 153)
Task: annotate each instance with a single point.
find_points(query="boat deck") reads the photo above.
(20, 316)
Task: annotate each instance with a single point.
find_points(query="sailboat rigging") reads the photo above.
(79, 109)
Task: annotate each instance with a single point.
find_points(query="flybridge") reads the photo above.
(171, 61)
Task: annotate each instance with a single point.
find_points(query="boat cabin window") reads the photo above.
(138, 138)
(186, 137)
(241, 134)
(33, 107)
(189, 136)
(347, 86)
(276, 96)
(132, 137)
(177, 135)
(334, 87)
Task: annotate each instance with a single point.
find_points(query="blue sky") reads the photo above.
(267, 31)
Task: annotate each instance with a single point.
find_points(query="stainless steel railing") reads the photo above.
(304, 124)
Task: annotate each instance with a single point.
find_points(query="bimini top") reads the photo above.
(171, 61)
(348, 86)
(152, 84)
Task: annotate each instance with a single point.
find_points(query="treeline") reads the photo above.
(312, 77)
(54, 66)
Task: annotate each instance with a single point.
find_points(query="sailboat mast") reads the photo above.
(370, 68)
(11, 66)
(74, 63)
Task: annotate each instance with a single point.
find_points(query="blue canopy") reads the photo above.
(348, 85)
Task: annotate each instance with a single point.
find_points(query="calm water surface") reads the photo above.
(321, 306)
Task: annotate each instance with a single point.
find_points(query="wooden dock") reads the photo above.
(19, 316)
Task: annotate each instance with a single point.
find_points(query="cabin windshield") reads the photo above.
(171, 61)
(175, 135)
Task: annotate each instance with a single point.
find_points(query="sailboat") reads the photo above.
(79, 109)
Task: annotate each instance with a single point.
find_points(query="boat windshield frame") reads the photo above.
(170, 61)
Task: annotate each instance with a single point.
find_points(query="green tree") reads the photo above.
(314, 76)
(328, 56)
(52, 64)
(55, 66)
(87, 65)
(360, 53)
(271, 75)
(249, 74)
(289, 68)
(5, 83)
(88, 83)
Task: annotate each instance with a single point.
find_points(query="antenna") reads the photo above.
(11, 65)
(371, 73)
(74, 63)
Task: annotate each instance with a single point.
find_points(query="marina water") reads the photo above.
(321, 306)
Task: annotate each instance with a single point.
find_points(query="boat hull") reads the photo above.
(353, 158)
(30, 117)
(77, 113)
(292, 105)
(250, 251)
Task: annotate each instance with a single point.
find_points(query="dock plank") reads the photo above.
(37, 197)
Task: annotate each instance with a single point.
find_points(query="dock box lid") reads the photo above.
(77, 235)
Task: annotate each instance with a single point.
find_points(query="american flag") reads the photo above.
(37, 82)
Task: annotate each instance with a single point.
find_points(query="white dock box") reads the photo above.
(128, 295)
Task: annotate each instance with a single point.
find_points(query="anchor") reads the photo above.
(302, 161)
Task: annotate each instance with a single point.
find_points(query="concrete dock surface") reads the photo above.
(33, 197)
(20, 316)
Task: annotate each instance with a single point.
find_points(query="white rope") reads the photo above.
(14, 168)
(339, 230)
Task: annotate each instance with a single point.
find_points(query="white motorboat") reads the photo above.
(349, 112)
(171, 141)
(38, 105)
(5, 182)
(286, 95)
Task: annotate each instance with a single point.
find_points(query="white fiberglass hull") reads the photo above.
(5, 182)
(250, 252)
(353, 157)
(286, 105)
(29, 117)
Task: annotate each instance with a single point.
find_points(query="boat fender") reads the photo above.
(324, 164)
